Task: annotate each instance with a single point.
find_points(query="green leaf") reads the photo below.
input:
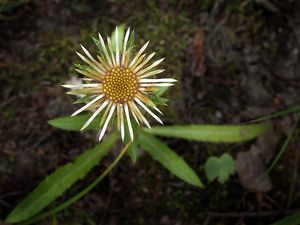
(159, 100)
(161, 91)
(81, 67)
(74, 123)
(98, 44)
(84, 99)
(121, 30)
(293, 219)
(220, 168)
(59, 181)
(132, 151)
(168, 158)
(80, 194)
(212, 133)
(131, 42)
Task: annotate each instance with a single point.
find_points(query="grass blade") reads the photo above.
(290, 110)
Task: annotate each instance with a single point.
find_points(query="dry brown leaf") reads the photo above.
(252, 164)
(250, 167)
(198, 66)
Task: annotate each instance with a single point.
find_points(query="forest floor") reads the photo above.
(235, 61)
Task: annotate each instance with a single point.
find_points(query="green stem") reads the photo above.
(80, 194)
(282, 150)
(294, 179)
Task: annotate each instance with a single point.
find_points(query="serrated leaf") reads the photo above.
(74, 123)
(212, 133)
(59, 181)
(219, 168)
(84, 99)
(168, 158)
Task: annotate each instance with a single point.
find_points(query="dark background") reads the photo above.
(235, 61)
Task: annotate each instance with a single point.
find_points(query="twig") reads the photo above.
(39, 140)
(294, 178)
(3, 104)
(249, 214)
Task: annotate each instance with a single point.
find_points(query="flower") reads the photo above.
(118, 82)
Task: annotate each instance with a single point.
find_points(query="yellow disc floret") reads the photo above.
(120, 85)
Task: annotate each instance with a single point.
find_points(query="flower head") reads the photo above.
(118, 83)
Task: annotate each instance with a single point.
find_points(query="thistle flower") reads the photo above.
(119, 83)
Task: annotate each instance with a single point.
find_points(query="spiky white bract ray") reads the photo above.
(118, 117)
(162, 80)
(112, 109)
(87, 79)
(151, 73)
(117, 48)
(138, 54)
(111, 51)
(124, 46)
(156, 63)
(140, 59)
(105, 50)
(88, 105)
(90, 63)
(148, 110)
(135, 117)
(122, 123)
(92, 59)
(144, 63)
(104, 104)
(119, 83)
(128, 121)
(134, 108)
(157, 85)
(81, 85)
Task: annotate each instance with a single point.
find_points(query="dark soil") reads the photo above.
(235, 61)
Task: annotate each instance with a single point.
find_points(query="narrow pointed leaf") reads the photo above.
(212, 133)
(168, 158)
(74, 123)
(59, 181)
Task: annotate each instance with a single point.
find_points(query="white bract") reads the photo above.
(119, 84)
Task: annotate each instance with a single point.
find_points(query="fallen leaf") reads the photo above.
(252, 164)
(250, 168)
(198, 66)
